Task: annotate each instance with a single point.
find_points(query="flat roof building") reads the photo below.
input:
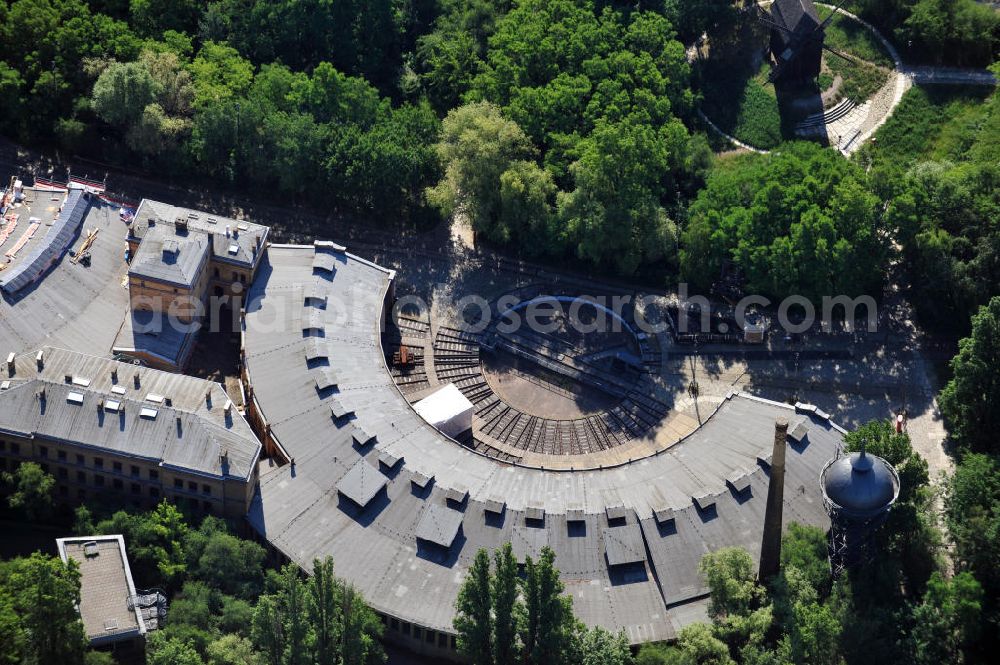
(106, 589)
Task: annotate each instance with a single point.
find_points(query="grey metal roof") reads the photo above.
(316, 349)
(57, 239)
(624, 545)
(299, 514)
(171, 256)
(325, 262)
(739, 481)
(616, 511)
(338, 409)
(73, 305)
(798, 431)
(388, 460)
(439, 525)
(243, 235)
(192, 433)
(151, 336)
(362, 483)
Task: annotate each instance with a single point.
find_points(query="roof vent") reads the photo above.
(147, 413)
(68, 378)
(181, 225)
(74, 398)
(135, 379)
(114, 376)
(10, 364)
(229, 407)
(90, 549)
(40, 359)
(168, 401)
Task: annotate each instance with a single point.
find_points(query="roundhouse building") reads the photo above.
(403, 508)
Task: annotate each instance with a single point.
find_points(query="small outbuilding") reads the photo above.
(448, 410)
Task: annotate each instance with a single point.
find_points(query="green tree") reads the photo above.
(155, 542)
(232, 650)
(123, 91)
(797, 221)
(30, 491)
(99, 658)
(731, 578)
(699, 646)
(970, 402)
(477, 146)
(473, 612)
(44, 594)
(13, 639)
(507, 609)
(549, 628)
(947, 619)
(267, 631)
(599, 647)
(325, 612)
(164, 650)
(361, 631)
(232, 565)
(972, 508)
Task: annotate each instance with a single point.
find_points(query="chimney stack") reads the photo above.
(770, 547)
(40, 360)
(10, 364)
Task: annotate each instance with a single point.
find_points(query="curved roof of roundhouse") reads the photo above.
(301, 512)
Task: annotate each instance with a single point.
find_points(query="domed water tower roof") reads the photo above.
(860, 485)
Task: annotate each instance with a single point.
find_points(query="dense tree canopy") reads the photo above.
(955, 32)
(798, 221)
(970, 402)
(39, 622)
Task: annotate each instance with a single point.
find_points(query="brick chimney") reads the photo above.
(770, 547)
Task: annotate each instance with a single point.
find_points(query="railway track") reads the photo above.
(456, 360)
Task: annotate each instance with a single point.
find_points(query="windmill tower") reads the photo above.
(797, 39)
(858, 491)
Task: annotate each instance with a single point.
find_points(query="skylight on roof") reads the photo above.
(80, 381)
(112, 405)
(118, 390)
(243, 227)
(153, 397)
(5, 385)
(75, 398)
(148, 413)
(234, 249)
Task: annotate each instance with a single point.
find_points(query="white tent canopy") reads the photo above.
(448, 410)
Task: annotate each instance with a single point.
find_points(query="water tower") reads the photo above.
(858, 491)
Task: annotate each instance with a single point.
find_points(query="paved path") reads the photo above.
(949, 76)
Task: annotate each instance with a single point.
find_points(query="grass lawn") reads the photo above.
(933, 123)
(845, 34)
(743, 106)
